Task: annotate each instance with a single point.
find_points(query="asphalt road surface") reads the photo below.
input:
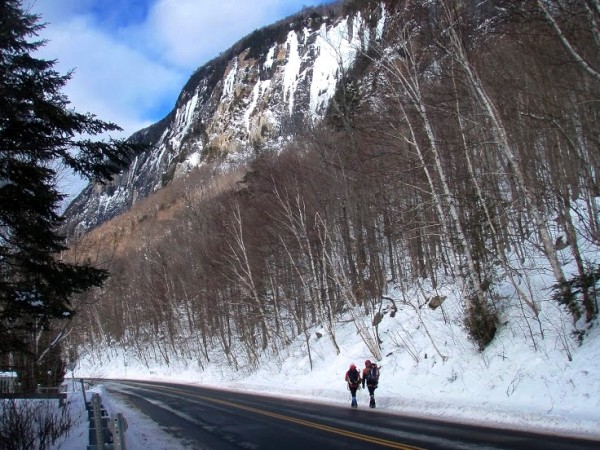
(209, 419)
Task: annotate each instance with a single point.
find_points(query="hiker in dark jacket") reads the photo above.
(370, 376)
(353, 380)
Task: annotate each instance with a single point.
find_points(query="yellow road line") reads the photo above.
(351, 434)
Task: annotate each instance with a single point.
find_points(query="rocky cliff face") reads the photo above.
(251, 97)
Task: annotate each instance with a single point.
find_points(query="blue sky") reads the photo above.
(131, 58)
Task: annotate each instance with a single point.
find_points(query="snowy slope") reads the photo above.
(429, 368)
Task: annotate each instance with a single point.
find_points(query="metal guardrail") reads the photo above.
(105, 433)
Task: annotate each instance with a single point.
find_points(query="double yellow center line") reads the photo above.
(306, 423)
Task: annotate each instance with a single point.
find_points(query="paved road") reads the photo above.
(209, 419)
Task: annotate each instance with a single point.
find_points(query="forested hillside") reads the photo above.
(460, 153)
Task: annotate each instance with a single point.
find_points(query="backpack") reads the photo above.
(373, 374)
(353, 376)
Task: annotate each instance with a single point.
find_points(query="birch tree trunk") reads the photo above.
(456, 50)
(405, 71)
(348, 295)
(594, 14)
(239, 264)
(297, 223)
(496, 238)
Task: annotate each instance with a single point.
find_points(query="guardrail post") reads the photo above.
(105, 433)
(119, 426)
(97, 417)
(83, 391)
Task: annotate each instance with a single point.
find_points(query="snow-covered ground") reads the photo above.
(429, 368)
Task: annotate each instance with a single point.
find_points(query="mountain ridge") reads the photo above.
(251, 97)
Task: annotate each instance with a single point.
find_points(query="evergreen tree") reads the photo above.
(39, 131)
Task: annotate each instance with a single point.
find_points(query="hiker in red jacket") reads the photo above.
(353, 380)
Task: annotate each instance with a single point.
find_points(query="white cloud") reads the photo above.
(111, 80)
(190, 32)
(132, 59)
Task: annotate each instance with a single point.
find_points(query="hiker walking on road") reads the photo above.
(353, 380)
(370, 376)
